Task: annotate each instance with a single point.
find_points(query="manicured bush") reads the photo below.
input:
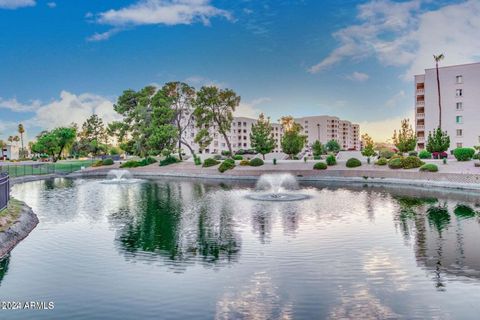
(244, 162)
(169, 160)
(130, 164)
(209, 162)
(387, 154)
(256, 162)
(381, 162)
(464, 154)
(430, 167)
(331, 160)
(424, 154)
(107, 162)
(227, 165)
(413, 153)
(353, 163)
(97, 163)
(226, 153)
(197, 160)
(396, 156)
(411, 162)
(320, 166)
(237, 157)
(395, 163)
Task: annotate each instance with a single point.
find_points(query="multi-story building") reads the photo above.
(10, 151)
(460, 96)
(323, 128)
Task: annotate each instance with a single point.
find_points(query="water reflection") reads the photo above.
(4, 261)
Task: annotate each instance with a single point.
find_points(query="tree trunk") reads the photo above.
(189, 148)
(228, 144)
(439, 99)
(180, 149)
(263, 156)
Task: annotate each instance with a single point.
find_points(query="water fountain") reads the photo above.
(277, 187)
(120, 176)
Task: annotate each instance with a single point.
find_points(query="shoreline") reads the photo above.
(18, 230)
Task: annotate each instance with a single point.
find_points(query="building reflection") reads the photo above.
(445, 235)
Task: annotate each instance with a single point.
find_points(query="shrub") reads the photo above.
(395, 163)
(317, 157)
(226, 153)
(413, 153)
(256, 162)
(430, 167)
(169, 160)
(107, 162)
(387, 154)
(210, 162)
(197, 160)
(424, 154)
(396, 156)
(130, 164)
(381, 162)
(244, 162)
(411, 162)
(227, 165)
(274, 161)
(353, 163)
(295, 158)
(305, 159)
(98, 163)
(475, 156)
(463, 154)
(237, 157)
(331, 160)
(146, 161)
(320, 166)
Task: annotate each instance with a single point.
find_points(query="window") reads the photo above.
(459, 119)
(459, 79)
(459, 93)
(459, 105)
(459, 132)
(459, 145)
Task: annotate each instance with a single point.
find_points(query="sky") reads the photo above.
(61, 60)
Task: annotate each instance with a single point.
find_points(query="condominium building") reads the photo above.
(460, 98)
(10, 151)
(323, 128)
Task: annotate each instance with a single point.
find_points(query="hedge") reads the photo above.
(381, 162)
(464, 154)
(411, 162)
(209, 162)
(320, 166)
(395, 163)
(331, 160)
(169, 160)
(424, 154)
(244, 162)
(107, 162)
(256, 162)
(430, 167)
(227, 165)
(353, 163)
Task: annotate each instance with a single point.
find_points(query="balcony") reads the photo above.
(420, 102)
(421, 139)
(420, 127)
(420, 115)
(420, 91)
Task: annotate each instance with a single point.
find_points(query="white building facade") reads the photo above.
(460, 99)
(323, 128)
(10, 152)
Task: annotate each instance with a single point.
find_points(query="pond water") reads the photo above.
(179, 249)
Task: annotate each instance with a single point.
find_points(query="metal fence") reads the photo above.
(4, 190)
(39, 169)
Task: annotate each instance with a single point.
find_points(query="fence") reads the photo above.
(41, 169)
(4, 190)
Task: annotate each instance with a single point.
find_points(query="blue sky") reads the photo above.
(60, 61)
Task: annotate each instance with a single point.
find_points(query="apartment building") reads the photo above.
(460, 99)
(10, 151)
(323, 128)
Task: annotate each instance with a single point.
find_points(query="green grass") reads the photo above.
(17, 169)
(9, 215)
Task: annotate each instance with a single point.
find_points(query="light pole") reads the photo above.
(318, 130)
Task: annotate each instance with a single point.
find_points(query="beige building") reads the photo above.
(460, 97)
(323, 128)
(10, 152)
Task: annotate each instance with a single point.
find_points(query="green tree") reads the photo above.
(215, 108)
(181, 99)
(261, 137)
(332, 146)
(21, 131)
(438, 141)
(438, 58)
(368, 146)
(55, 142)
(292, 141)
(93, 137)
(405, 140)
(317, 148)
(203, 139)
(146, 127)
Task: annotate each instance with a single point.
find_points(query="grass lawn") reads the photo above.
(17, 169)
(9, 215)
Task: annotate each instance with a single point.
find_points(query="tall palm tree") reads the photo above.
(21, 130)
(437, 58)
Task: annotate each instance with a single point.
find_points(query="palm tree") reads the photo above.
(21, 130)
(437, 58)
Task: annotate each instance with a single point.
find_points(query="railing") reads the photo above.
(420, 127)
(420, 91)
(39, 169)
(420, 102)
(420, 115)
(4, 190)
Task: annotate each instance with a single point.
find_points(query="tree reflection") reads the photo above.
(4, 262)
(464, 212)
(438, 217)
(179, 223)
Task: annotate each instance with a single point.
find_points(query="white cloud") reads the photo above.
(199, 81)
(15, 4)
(396, 100)
(166, 12)
(405, 34)
(14, 105)
(358, 76)
(249, 109)
(104, 35)
(51, 4)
